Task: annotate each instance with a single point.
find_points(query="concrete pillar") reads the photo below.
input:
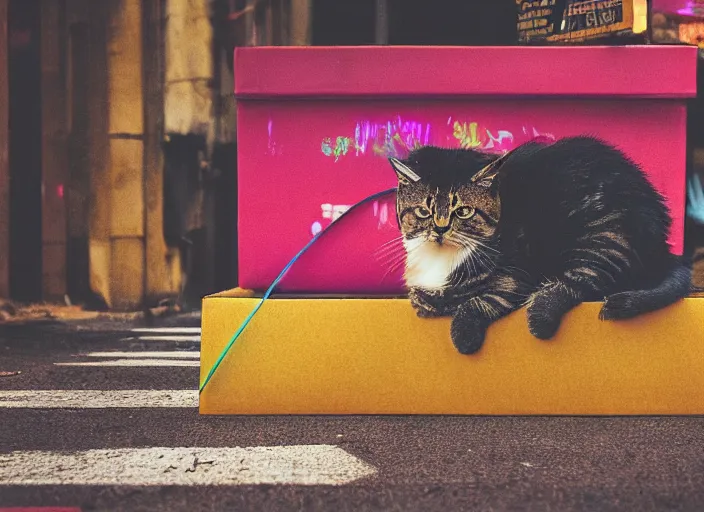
(189, 110)
(301, 22)
(118, 222)
(4, 162)
(54, 150)
(163, 264)
(188, 95)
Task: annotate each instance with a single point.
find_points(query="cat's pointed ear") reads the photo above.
(487, 175)
(405, 174)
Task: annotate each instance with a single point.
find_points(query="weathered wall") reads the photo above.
(4, 163)
(54, 150)
(117, 183)
(301, 22)
(163, 265)
(188, 95)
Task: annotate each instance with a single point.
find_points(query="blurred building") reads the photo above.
(117, 146)
(117, 132)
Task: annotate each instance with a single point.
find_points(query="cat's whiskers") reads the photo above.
(389, 247)
(467, 253)
(475, 242)
(472, 260)
(391, 255)
(458, 261)
(485, 259)
(391, 242)
(397, 259)
(392, 268)
(478, 256)
(470, 271)
(484, 246)
(403, 257)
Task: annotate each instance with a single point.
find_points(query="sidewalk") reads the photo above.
(74, 318)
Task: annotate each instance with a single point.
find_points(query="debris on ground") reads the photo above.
(164, 308)
(12, 313)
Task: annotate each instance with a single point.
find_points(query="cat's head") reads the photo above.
(448, 210)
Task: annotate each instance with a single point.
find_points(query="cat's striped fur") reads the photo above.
(547, 225)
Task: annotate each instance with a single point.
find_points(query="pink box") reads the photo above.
(316, 125)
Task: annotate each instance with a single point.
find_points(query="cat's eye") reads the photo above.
(421, 212)
(464, 212)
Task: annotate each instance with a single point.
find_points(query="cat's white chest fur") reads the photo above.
(429, 265)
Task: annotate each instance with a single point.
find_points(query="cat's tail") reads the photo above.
(676, 285)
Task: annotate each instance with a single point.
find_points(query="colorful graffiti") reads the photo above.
(341, 147)
(392, 138)
(398, 137)
(470, 137)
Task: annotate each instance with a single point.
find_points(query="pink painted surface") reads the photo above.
(617, 71)
(669, 5)
(303, 160)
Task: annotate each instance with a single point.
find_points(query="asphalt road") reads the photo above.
(346, 463)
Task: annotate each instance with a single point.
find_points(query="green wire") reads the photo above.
(276, 281)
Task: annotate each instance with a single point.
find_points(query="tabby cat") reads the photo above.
(547, 225)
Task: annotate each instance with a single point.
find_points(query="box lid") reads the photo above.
(652, 71)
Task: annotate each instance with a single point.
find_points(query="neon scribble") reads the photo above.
(342, 146)
(470, 136)
(392, 138)
(271, 145)
(466, 135)
(398, 137)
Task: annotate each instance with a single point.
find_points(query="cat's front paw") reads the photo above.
(543, 323)
(467, 333)
(619, 306)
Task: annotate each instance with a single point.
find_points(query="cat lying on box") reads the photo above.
(545, 225)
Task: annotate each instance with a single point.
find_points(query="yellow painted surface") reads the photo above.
(374, 356)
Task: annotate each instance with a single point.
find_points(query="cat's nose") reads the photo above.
(441, 230)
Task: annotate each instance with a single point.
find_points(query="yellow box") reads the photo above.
(374, 356)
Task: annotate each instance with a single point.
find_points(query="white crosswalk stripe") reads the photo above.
(134, 362)
(160, 466)
(156, 463)
(170, 336)
(168, 330)
(98, 399)
(182, 354)
(166, 334)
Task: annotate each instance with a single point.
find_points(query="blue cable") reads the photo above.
(276, 281)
